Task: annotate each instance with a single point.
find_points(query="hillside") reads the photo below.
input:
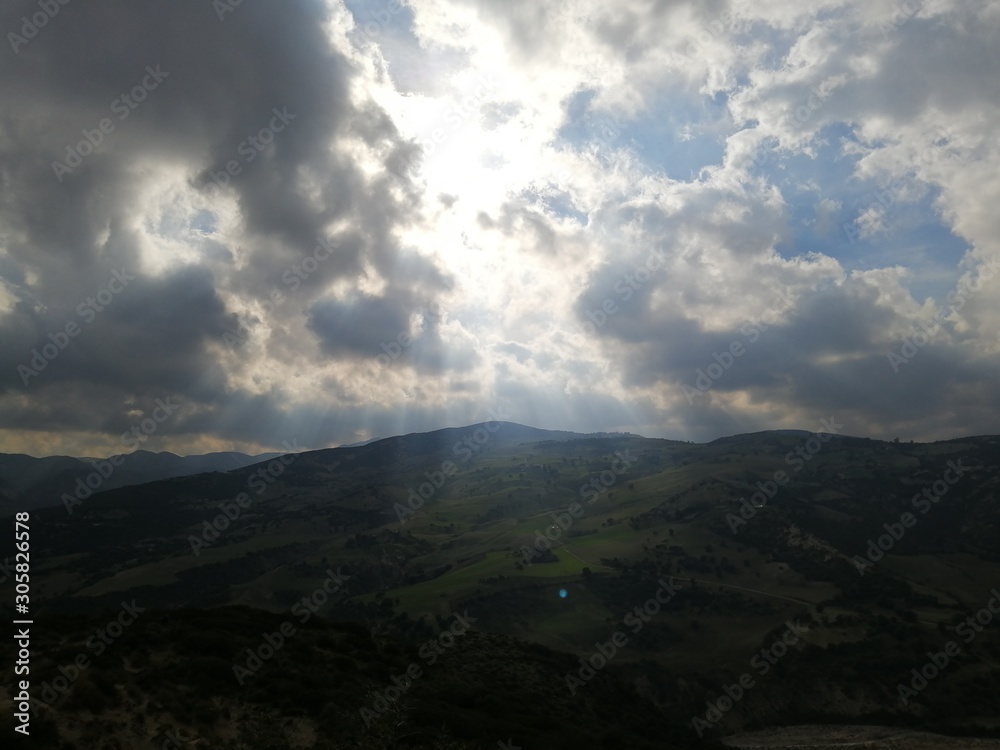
(169, 677)
(699, 559)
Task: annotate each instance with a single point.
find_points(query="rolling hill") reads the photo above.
(819, 569)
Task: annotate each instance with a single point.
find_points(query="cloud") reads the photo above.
(512, 168)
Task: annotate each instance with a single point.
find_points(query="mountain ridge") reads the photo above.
(30, 482)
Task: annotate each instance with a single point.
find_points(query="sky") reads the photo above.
(233, 225)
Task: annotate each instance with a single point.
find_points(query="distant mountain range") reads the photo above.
(27, 482)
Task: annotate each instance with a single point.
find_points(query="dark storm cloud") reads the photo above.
(150, 334)
(826, 354)
(389, 334)
(334, 323)
(248, 108)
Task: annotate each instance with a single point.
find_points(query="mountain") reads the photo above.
(27, 482)
(769, 579)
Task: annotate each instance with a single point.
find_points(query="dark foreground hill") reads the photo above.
(168, 681)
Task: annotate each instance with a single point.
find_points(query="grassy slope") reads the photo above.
(668, 517)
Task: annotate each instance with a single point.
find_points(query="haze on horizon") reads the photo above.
(674, 219)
